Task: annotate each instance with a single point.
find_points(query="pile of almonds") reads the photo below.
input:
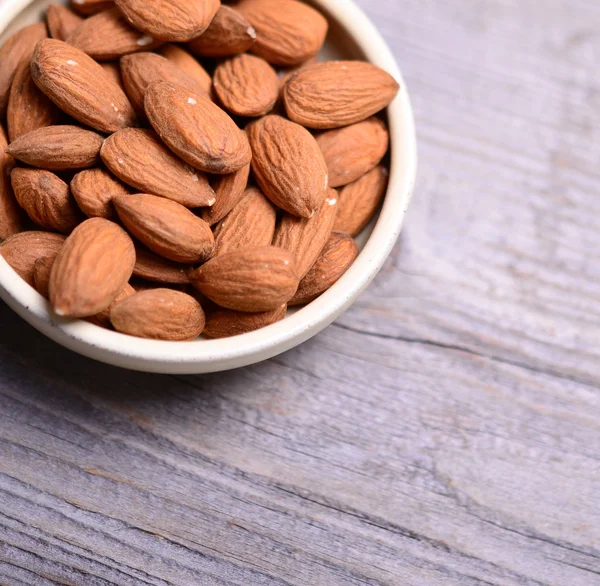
(144, 194)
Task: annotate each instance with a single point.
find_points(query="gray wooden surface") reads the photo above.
(446, 431)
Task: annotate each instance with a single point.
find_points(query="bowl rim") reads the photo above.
(203, 356)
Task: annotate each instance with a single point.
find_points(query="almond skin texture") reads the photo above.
(288, 32)
(359, 201)
(229, 190)
(58, 148)
(225, 323)
(175, 21)
(250, 224)
(306, 237)
(93, 190)
(140, 159)
(61, 21)
(352, 151)
(337, 257)
(288, 165)
(10, 213)
(197, 130)
(46, 199)
(28, 107)
(246, 85)
(107, 36)
(166, 227)
(87, 7)
(41, 275)
(252, 280)
(338, 93)
(140, 70)
(91, 269)
(80, 87)
(21, 251)
(113, 71)
(159, 314)
(188, 63)
(229, 33)
(102, 319)
(16, 50)
(151, 267)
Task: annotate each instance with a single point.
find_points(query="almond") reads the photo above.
(107, 36)
(102, 319)
(250, 224)
(93, 190)
(225, 323)
(352, 151)
(306, 237)
(22, 250)
(91, 269)
(80, 87)
(188, 63)
(151, 267)
(140, 70)
(246, 85)
(229, 190)
(17, 49)
(61, 21)
(41, 274)
(360, 200)
(57, 148)
(113, 71)
(286, 74)
(87, 7)
(140, 159)
(159, 314)
(166, 227)
(10, 214)
(288, 165)
(252, 280)
(338, 93)
(229, 33)
(288, 32)
(170, 20)
(337, 257)
(28, 107)
(46, 199)
(197, 130)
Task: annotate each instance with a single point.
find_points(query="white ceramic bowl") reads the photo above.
(352, 36)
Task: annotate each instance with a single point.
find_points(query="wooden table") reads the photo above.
(444, 432)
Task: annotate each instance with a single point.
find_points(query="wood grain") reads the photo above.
(445, 432)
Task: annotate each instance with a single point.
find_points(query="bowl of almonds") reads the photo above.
(190, 186)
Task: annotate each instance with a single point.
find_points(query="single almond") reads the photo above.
(80, 87)
(288, 32)
(352, 151)
(151, 267)
(229, 33)
(175, 21)
(189, 64)
(337, 257)
(22, 250)
(87, 7)
(112, 69)
(305, 238)
(360, 200)
(92, 267)
(288, 165)
(93, 190)
(46, 199)
(140, 159)
(197, 130)
(250, 224)
(58, 148)
(141, 69)
(229, 190)
(61, 21)
(159, 314)
(250, 280)
(166, 227)
(102, 319)
(17, 49)
(107, 36)
(225, 323)
(246, 85)
(41, 274)
(10, 213)
(338, 93)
